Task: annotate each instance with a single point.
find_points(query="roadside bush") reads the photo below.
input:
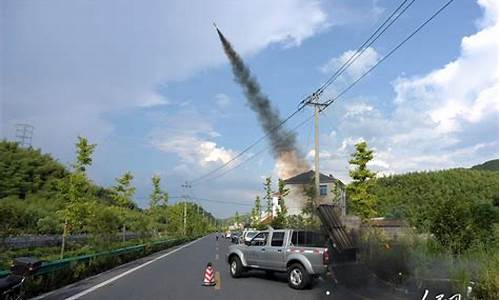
(424, 263)
(15, 215)
(487, 281)
(457, 224)
(387, 258)
(49, 225)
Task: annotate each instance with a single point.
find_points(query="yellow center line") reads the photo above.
(217, 281)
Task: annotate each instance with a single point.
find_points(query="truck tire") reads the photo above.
(235, 266)
(298, 278)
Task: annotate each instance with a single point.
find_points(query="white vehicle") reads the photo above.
(228, 235)
(248, 235)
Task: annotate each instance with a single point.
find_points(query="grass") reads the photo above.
(422, 262)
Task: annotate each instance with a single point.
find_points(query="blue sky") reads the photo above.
(149, 83)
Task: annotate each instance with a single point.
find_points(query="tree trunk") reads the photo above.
(123, 233)
(65, 232)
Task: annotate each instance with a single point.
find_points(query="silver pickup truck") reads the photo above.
(302, 254)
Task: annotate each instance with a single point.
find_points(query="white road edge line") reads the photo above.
(95, 287)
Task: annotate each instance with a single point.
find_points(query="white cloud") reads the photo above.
(446, 118)
(154, 100)
(190, 136)
(358, 109)
(222, 101)
(194, 150)
(362, 63)
(108, 58)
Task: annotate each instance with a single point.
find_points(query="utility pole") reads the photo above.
(313, 100)
(185, 217)
(316, 152)
(186, 186)
(24, 134)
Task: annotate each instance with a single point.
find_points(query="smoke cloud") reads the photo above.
(284, 144)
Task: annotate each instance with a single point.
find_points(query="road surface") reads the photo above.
(178, 273)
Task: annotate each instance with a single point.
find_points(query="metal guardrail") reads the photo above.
(52, 266)
(54, 240)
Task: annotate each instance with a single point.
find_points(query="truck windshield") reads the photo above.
(251, 234)
(308, 239)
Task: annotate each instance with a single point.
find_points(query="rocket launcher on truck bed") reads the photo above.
(345, 250)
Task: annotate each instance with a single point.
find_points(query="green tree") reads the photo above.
(360, 159)
(158, 200)
(268, 195)
(309, 218)
(237, 218)
(25, 171)
(256, 211)
(84, 151)
(158, 196)
(123, 191)
(73, 190)
(458, 224)
(362, 202)
(280, 221)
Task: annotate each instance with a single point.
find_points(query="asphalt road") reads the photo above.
(178, 273)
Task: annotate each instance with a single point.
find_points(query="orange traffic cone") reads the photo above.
(209, 278)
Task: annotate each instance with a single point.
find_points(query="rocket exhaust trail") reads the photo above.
(283, 142)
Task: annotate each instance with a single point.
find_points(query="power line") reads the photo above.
(379, 31)
(249, 146)
(361, 49)
(329, 102)
(212, 200)
(252, 156)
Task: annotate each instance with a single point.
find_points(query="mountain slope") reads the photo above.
(491, 165)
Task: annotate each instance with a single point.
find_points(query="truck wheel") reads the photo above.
(235, 267)
(298, 278)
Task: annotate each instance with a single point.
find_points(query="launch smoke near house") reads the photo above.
(283, 141)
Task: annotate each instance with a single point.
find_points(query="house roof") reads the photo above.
(382, 222)
(308, 177)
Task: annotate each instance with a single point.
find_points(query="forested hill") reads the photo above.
(26, 171)
(39, 195)
(491, 165)
(29, 173)
(421, 196)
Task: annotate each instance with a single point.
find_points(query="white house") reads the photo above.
(264, 215)
(332, 191)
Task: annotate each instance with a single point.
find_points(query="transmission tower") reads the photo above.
(24, 134)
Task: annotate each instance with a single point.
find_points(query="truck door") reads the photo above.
(255, 249)
(273, 257)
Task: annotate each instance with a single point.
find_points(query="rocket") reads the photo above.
(218, 31)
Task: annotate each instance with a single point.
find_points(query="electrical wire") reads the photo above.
(212, 200)
(436, 13)
(361, 49)
(252, 156)
(249, 146)
(327, 103)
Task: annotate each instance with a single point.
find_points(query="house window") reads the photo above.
(323, 190)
